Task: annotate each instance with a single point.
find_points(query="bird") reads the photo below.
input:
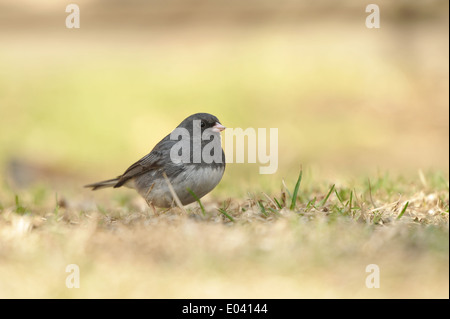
(183, 167)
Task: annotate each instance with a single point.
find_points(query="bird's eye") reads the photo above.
(202, 124)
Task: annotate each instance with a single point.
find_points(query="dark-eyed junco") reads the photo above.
(188, 160)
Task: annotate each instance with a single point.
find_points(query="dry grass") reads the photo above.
(315, 250)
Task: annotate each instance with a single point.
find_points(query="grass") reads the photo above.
(403, 210)
(297, 186)
(261, 246)
(198, 201)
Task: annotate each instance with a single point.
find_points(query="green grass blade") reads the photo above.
(339, 197)
(274, 211)
(370, 194)
(262, 208)
(376, 218)
(312, 202)
(19, 208)
(197, 200)
(350, 202)
(223, 211)
(297, 186)
(328, 195)
(286, 189)
(403, 211)
(278, 203)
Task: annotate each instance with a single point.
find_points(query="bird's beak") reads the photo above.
(218, 127)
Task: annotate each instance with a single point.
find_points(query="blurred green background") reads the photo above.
(80, 105)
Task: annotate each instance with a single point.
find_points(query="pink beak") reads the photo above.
(218, 127)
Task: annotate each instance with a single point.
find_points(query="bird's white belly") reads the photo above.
(199, 180)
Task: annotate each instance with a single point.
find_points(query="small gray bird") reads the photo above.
(188, 160)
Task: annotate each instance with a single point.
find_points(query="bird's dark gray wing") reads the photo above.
(156, 159)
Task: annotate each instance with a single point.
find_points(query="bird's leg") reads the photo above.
(150, 203)
(155, 212)
(149, 190)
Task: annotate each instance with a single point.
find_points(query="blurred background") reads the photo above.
(81, 105)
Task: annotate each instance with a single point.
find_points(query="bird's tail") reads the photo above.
(103, 184)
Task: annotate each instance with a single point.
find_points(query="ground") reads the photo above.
(253, 248)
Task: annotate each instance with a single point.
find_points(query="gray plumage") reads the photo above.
(147, 174)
